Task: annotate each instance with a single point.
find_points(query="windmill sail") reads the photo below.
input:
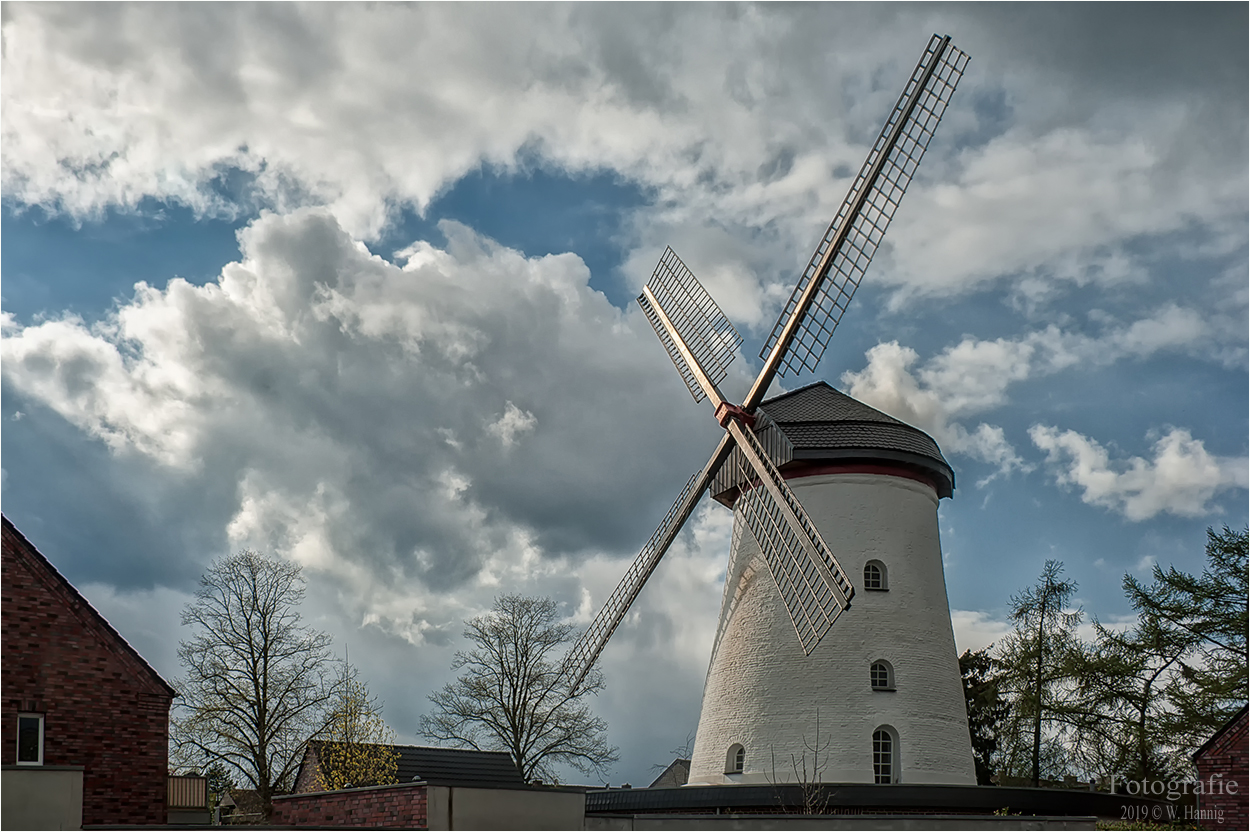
(812, 584)
(587, 649)
(838, 265)
(708, 336)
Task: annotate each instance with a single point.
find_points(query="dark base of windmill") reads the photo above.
(925, 805)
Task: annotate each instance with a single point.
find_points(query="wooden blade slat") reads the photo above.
(824, 291)
(708, 338)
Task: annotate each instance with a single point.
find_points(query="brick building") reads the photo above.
(1225, 774)
(77, 695)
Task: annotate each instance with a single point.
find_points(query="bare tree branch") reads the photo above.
(512, 696)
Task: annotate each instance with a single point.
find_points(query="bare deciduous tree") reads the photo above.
(257, 682)
(512, 696)
(813, 795)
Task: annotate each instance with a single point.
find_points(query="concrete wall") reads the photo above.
(762, 692)
(413, 805)
(460, 807)
(41, 797)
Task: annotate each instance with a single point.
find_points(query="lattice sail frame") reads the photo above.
(702, 325)
(813, 605)
(582, 656)
(886, 186)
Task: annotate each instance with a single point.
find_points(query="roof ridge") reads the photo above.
(92, 613)
(446, 748)
(797, 390)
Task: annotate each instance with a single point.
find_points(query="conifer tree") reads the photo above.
(1037, 671)
(1210, 612)
(987, 709)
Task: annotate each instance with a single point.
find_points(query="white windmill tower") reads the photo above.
(801, 469)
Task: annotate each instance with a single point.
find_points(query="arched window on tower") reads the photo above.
(881, 674)
(735, 760)
(875, 576)
(884, 755)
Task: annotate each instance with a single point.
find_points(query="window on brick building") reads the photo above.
(30, 739)
(875, 576)
(735, 760)
(881, 674)
(884, 755)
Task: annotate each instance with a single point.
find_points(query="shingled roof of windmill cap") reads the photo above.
(821, 422)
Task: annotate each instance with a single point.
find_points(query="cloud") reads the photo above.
(974, 376)
(512, 424)
(976, 630)
(1181, 479)
(338, 398)
(719, 113)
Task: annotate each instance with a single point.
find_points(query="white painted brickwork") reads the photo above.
(762, 692)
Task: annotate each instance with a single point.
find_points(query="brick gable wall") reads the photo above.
(1224, 761)
(104, 708)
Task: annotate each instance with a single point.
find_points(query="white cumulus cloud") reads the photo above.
(1182, 478)
(338, 397)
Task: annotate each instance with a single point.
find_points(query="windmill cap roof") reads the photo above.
(823, 423)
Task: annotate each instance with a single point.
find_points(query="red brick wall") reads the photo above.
(1225, 762)
(103, 709)
(402, 805)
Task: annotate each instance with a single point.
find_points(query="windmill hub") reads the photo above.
(726, 411)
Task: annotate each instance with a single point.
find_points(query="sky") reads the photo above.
(353, 286)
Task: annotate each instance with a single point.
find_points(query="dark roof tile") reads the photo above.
(818, 418)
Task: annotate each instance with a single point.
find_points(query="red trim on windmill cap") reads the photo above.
(726, 411)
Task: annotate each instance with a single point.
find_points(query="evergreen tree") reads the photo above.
(986, 709)
(1210, 612)
(1037, 673)
(1119, 712)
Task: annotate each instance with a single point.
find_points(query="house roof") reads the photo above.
(1238, 718)
(677, 774)
(74, 599)
(825, 424)
(453, 766)
(457, 766)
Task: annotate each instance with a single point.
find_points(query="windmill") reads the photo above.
(701, 342)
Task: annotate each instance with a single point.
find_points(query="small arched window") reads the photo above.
(884, 755)
(735, 760)
(875, 576)
(881, 674)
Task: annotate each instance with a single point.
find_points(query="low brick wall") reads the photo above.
(402, 805)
